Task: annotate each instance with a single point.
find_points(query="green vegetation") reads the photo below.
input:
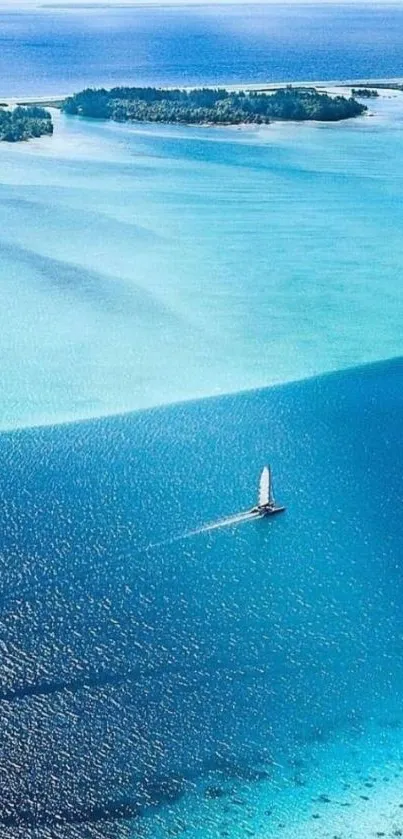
(23, 123)
(365, 92)
(379, 85)
(210, 106)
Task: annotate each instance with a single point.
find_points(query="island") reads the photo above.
(22, 123)
(365, 92)
(210, 106)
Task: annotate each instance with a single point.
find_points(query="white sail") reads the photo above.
(264, 487)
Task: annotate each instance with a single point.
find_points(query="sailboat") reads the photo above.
(266, 505)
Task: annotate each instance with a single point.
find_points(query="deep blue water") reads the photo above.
(128, 669)
(57, 51)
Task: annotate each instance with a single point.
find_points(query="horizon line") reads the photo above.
(68, 5)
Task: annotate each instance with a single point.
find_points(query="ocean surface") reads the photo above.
(224, 684)
(158, 679)
(61, 50)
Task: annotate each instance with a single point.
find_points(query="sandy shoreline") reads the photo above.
(332, 86)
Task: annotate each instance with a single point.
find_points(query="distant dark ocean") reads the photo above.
(58, 51)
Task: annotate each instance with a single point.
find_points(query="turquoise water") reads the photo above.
(144, 265)
(238, 682)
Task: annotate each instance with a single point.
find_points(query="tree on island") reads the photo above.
(22, 123)
(364, 92)
(210, 105)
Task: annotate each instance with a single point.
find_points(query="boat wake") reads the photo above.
(230, 521)
(227, 522)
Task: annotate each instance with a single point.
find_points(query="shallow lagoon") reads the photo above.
(252, 256)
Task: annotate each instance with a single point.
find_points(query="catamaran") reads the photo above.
(266, 505)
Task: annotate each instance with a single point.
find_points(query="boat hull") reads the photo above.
(267, 510)
(272, 511)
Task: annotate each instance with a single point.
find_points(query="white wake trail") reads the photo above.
(239, 518)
